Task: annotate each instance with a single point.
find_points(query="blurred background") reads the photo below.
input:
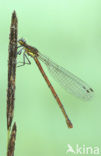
(68, 32)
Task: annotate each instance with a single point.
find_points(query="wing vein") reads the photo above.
(67, 80)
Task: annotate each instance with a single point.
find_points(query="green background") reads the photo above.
(69, 32)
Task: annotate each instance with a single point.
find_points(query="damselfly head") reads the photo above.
(21, 41)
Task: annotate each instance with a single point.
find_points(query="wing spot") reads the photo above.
(88, 91)
(91, 89)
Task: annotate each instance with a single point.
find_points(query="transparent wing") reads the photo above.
(67, 80)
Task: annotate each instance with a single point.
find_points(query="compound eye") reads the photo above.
(21, 41)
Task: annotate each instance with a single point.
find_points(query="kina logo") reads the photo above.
(85, 150)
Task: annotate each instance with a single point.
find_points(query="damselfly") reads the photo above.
(67, 80)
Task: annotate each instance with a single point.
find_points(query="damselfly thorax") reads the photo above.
(28, 49)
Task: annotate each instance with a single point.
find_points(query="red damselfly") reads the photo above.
(66, 79)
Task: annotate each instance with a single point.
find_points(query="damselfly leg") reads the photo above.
(24, 58)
